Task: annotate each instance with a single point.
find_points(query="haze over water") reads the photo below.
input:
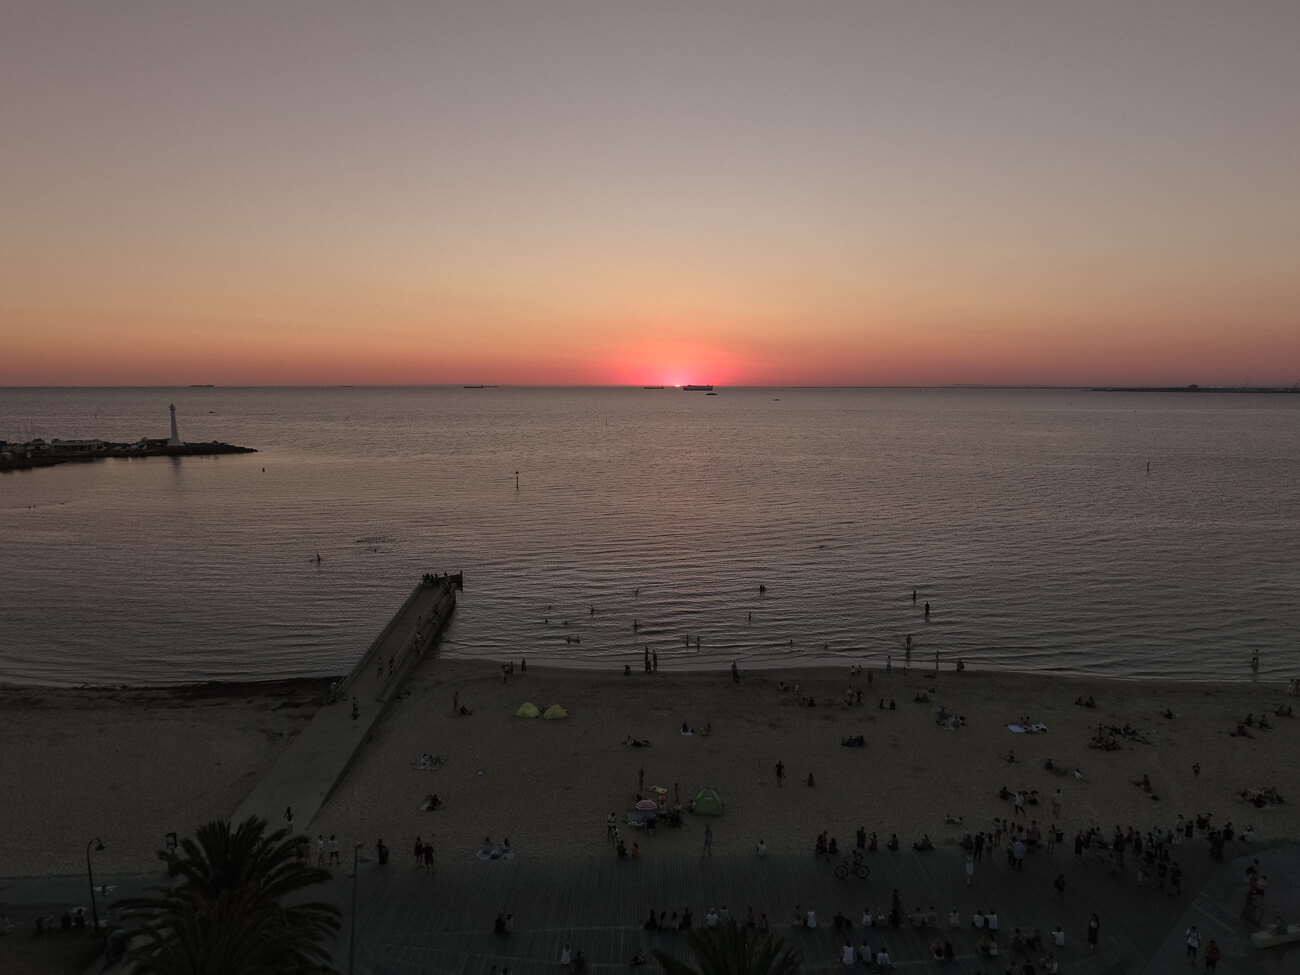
(1027, 518)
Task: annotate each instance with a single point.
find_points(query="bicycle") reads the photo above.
(853, 864)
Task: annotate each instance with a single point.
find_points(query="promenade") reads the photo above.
(411, 923)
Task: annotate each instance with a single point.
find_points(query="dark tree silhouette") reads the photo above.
(227, 910)
(730, 949)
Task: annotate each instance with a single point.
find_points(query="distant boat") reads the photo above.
(710, 393)
(698, 389)
(652, 387)
(478, 387)
(202, 386)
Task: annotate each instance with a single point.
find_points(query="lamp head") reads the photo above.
(98, 845)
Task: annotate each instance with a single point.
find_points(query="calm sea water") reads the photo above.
(1027, 519)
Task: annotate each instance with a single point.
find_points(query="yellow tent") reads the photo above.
(527, 710)
(555, 711)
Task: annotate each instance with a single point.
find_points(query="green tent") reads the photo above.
(527, 710)
(708, 802)
(555, 711)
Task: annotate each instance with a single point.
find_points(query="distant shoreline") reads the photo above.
(1193, 389)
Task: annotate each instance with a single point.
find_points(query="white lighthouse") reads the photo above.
(175, 439)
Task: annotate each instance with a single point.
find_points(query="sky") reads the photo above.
(551, 192)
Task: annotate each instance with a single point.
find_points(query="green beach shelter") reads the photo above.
(527, 710)
(708, 802)
(555, 711)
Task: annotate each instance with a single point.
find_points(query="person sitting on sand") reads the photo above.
(638, 959)
(923, 845)
(687, 729)
(892, 843)
(761, 849)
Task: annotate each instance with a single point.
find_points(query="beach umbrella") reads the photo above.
(647, 804)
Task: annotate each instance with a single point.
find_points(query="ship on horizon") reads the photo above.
(694, 387)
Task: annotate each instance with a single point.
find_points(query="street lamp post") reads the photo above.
(94, 911)
(352, 931)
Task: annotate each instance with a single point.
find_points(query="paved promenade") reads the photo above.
(411, 923)
(320, 755)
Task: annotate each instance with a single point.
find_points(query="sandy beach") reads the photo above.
(129, 766)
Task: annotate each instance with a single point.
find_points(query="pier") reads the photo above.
(321, 754)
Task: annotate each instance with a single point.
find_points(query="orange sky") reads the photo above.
(577, 193)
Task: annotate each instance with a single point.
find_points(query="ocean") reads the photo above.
(591, 523)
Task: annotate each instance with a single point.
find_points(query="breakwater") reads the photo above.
(40, 453)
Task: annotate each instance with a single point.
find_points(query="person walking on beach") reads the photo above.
(1094, 926)
(334, 851)
(970, 868)
(288, 817)
(780, 773)
(708, 841)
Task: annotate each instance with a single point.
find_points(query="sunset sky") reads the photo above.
(604, 192)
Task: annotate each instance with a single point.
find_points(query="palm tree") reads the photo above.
(226, 912)
(730, 949)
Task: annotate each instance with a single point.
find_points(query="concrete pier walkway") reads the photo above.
(320, 755)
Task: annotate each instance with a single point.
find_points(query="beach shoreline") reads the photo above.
(133, 765)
